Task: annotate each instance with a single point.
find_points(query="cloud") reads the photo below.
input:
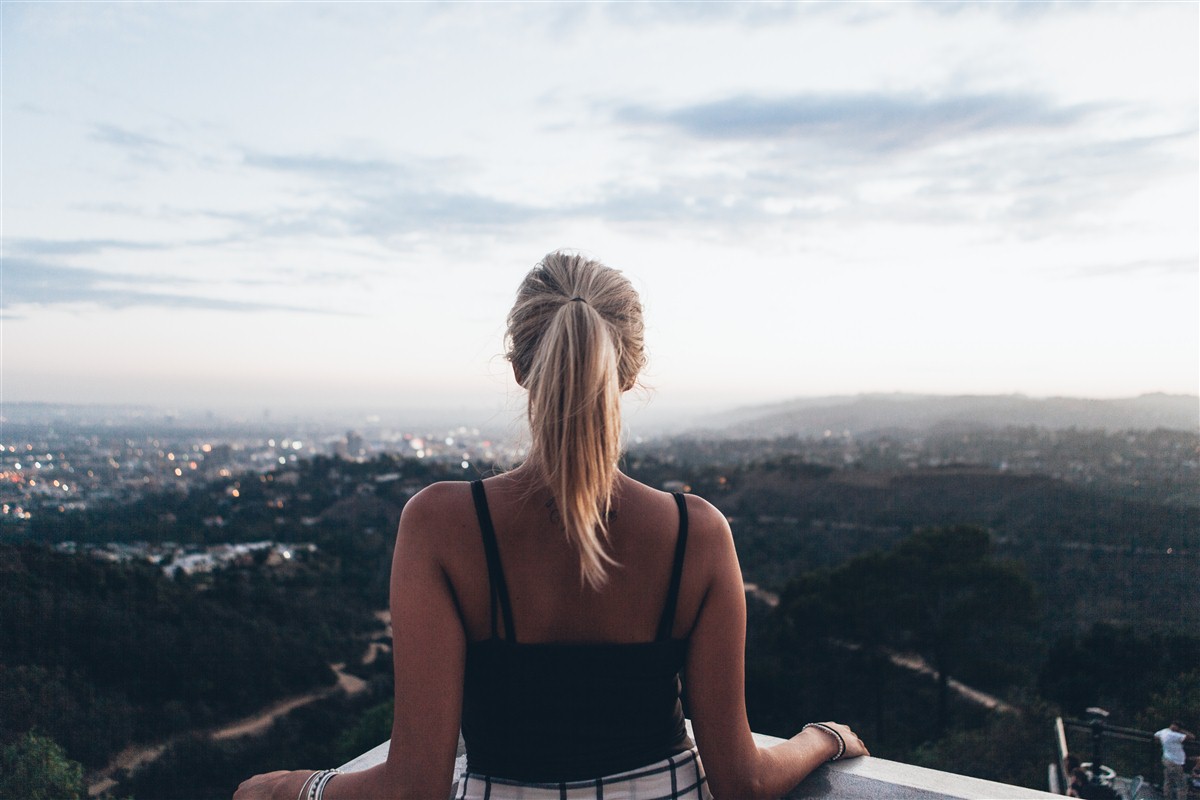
(137, 146)
(382, 198)
(676, 14)
(746, 160)
(708, 202)
(865, 122)
(326, 167)
(386, 200)
(75, 247)
(38, 283)
(404, 211)
(1027, 9)
(383, 216)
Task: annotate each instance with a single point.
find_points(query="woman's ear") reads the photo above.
(517, 374)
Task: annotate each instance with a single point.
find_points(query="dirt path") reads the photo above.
(909, 661)
(918, 664)
(263, 719)
(350, 684)
(137, 756)
(376, 648)
(128, 759)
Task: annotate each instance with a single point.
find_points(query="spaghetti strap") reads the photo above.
(667, 622)
(499, 590)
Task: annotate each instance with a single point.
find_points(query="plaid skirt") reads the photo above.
(677, 777)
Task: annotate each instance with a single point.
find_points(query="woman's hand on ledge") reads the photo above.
(279, 785)
(854, 745)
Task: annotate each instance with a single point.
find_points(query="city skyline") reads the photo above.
(321, 206)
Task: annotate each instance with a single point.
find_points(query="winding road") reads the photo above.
(138, 755)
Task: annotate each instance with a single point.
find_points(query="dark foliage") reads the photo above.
(938, 594)
(199, 768)
(1118, 668)
(1009, 748)
(98, 655)
(1093, 555)
(34, 767)
(101, 655)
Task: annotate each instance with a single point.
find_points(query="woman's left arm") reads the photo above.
(428, 654)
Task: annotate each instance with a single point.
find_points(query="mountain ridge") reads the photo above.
(881, 413)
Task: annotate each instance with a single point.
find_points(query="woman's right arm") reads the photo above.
(428, 654)
(715, 683)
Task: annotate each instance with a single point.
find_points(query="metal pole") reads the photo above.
(1098, 715)
(1097, 749)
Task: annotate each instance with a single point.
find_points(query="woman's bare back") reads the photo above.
(550, 603)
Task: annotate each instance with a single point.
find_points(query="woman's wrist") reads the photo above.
(313, 787)
(296, 785)
(831, 741)
(301, 793)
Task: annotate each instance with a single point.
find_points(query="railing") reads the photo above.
(845, 780)
(1113, 749)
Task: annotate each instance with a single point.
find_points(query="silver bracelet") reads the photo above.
(304, 786)
(832, 732)
(317, 790)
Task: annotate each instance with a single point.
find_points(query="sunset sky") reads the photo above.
(251, 205)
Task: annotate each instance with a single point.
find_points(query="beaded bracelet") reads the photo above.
(316, 789)
(832, 732)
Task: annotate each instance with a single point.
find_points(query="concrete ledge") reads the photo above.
(849, 780)
(376, 755)
(875, 777)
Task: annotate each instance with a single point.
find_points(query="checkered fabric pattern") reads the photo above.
(679, 777)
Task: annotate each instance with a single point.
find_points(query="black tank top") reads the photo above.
(550, 712)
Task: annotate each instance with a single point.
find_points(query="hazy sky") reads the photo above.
(268, 204)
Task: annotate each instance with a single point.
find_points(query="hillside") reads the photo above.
(1094, 556)
(883, 413)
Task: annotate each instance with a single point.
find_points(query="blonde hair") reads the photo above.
(576, 342)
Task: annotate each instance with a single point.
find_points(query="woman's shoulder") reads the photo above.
(709, 537)
(704, 514)
(438, 497)
(710, 540)
(705, 521)
(439, 513)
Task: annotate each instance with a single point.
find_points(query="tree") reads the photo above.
(955, 605)
(1178, 699)
(938, 594)
(1121, 669)
(35, 768)
(1008, 748)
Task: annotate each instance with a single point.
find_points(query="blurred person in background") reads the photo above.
(1172, 738)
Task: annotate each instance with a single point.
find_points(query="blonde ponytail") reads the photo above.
(576, 342)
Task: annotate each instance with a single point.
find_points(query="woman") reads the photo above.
(551, 609)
